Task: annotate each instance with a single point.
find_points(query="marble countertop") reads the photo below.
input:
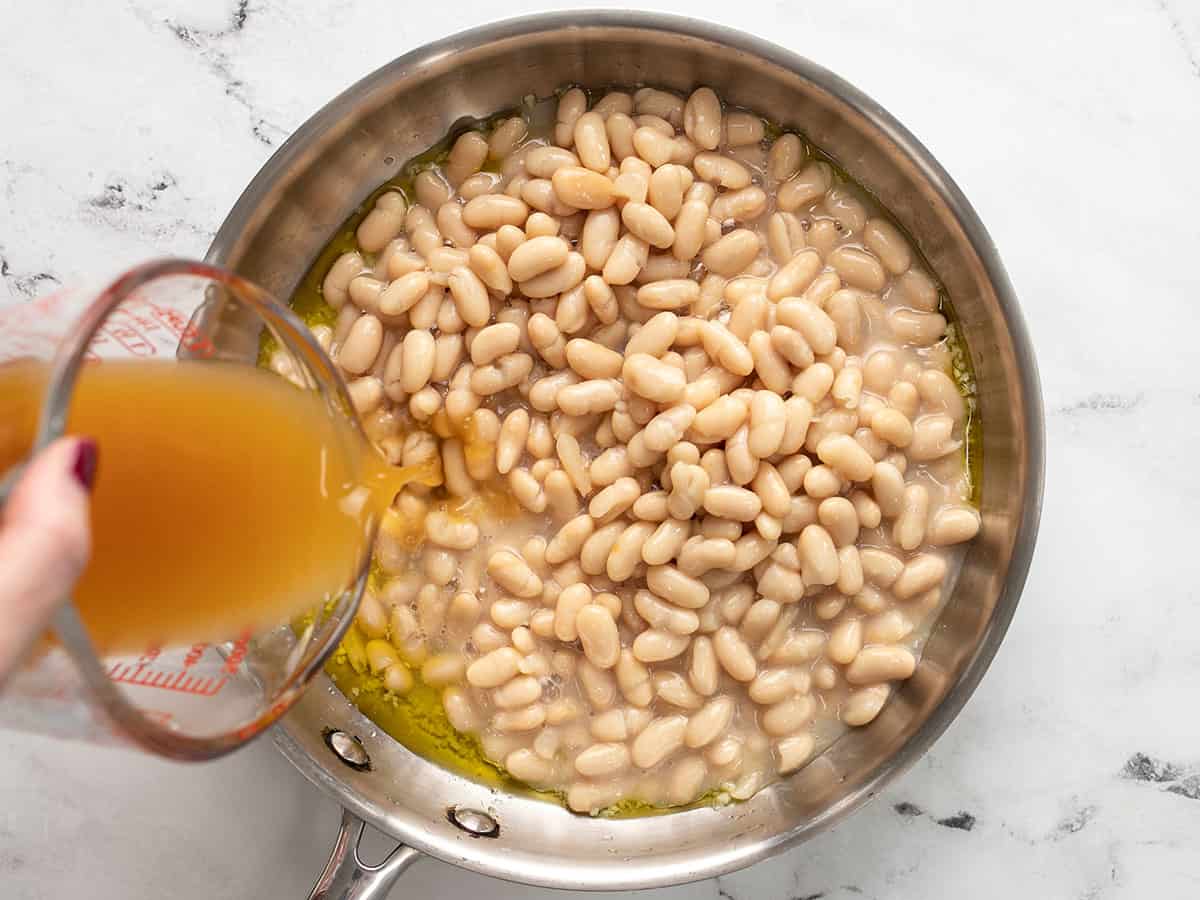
(127, 130)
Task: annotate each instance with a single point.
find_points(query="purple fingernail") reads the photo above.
(86, 457)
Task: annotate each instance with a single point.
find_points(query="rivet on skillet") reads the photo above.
(348, 748)
(473, 822)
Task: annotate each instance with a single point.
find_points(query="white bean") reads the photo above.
(361, 346)
(567, 543)
(909, 528)
(732, 502)
(734, 655)
(580, 188)
(863, 705)
(493, 669)
(658, 740)
(881, 663)
(598, 635)
(818, 556)
(710, 722)
(663, 615)
(920, 573)
(513, 574)
(446, 531)
(722, 171)
(537, 256)
(656, 645)
(650, 378)
(788, 716)
(600, 760)
(847, 457)
(953, 525)
(768, 422)
(731, 253)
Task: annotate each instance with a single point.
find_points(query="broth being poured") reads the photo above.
(226, 499)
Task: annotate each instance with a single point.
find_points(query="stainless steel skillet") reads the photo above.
(360, 139)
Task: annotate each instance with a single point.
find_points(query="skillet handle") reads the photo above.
(347, 877)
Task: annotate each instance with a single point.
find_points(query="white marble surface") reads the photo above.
(128, 129)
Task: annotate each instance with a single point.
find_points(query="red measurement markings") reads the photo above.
(145, 321)
(193, 655)
(174, 320)
(125, 333)
(196, 343)
(190, 338)
(145, 675)
(149, 656)
(117, 340)
(237, 654)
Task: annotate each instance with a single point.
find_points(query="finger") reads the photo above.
(45, 540)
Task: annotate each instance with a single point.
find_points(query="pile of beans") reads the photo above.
(714, 381)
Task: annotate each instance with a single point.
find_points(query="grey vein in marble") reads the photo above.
(1075, 822)
(1181, 36)
(151, 203)
(25, 284)
(1141, 767)
(845, 890)
(1102, 403)
(1177, 779)
(209, 45)
(960, 820)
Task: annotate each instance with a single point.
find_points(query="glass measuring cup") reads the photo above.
(207, 697)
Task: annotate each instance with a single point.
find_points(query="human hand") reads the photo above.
(45, 541)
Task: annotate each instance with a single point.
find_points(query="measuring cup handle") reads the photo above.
(347, 877)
